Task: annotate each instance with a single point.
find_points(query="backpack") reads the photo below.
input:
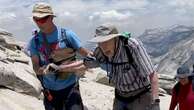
(62, 40)
(125, 37)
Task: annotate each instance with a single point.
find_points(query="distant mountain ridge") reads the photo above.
(170, 48)
(158, 41)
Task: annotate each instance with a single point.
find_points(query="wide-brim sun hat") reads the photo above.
(104, 33)
(41, 10)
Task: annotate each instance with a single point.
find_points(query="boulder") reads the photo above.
(11, 100)
(16, 72)
(7, 40)
(166, 82)
(97, 96)
(20, 79)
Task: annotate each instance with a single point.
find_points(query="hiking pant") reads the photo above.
(65, 99)
(143, 102)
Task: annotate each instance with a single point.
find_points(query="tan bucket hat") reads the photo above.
(104, 33)
(41, 10)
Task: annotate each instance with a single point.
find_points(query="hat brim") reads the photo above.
(41, 15)
(182, 75)
(100, 39)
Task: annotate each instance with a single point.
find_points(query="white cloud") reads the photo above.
(83, 16)
(130, 4)
(182, 6)
(7, 16)
(111, 15)
(67, 14)
(182, 3)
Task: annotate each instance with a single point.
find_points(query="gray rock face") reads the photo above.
(166, 82)
(158, 41)
(16, 72)
(17, 75)
(170, 48)
(11, 100)
(99, 96)
(7, 40)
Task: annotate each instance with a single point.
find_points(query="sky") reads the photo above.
(83, 16)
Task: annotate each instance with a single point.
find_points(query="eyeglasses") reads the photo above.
(41, 20)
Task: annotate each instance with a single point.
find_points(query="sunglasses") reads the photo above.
(41, 20)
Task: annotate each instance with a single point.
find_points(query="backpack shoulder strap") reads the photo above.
(192, 82)
(126, 46)
(36, 39)
(177, 88)
(63, 37)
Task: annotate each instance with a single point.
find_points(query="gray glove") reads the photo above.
(91, 62)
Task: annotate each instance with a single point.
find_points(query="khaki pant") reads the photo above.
(141, 103)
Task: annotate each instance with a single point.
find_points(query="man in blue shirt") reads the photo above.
(45, 46)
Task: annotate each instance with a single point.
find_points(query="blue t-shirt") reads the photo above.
(50, 81)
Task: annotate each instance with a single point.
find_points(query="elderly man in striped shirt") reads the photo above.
(129, 68)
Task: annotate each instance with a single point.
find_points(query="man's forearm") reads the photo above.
(154, 85)
(76, 66)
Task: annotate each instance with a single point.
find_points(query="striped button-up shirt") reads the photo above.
(128, 77)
